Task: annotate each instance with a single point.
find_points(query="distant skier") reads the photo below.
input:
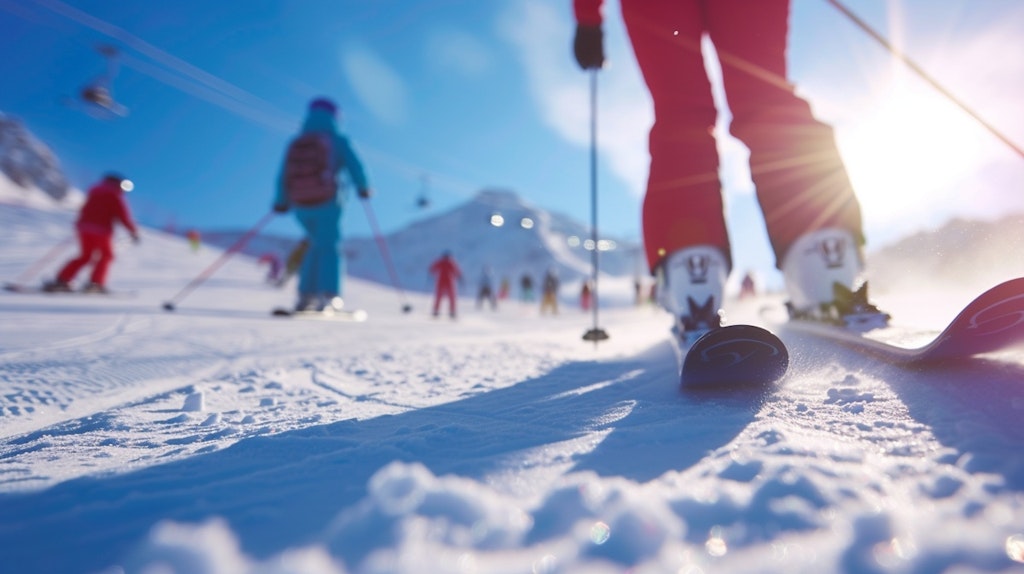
(308, 184)
(503, 289)
(194, 239)
(273, 264)
(638, 292)
(526, 288)
(586, 296)
(549, 293)
(486, 290)
(446, 272)
(104, 206)
(747, 287)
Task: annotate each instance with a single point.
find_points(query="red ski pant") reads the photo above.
(444, 291)
(800, 179)
(96, 248)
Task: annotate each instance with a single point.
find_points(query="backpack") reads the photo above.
(309, 174)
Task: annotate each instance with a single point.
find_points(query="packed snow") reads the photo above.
(218, 439)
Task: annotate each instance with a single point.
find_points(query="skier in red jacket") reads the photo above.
(104, 205)
(812, 216)
(448, 273)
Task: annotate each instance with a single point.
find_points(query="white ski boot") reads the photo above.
(691, 283)
(329, 305)
(823, 272)
(307, 302)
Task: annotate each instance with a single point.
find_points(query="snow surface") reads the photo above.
(218, 439)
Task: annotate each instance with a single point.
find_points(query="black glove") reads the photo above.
(280, 208)
(588, 46)
(365, 193)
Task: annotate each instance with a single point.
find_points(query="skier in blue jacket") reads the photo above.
(318, 200)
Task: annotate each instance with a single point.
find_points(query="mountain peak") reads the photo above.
(27, 162)
(499, 198)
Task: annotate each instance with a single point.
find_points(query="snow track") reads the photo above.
(118, 370)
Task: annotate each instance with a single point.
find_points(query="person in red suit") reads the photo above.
(447, 274)
(104, 206)
(810, 211)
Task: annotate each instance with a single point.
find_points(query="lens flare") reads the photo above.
(716, 546)
(600, 533)
(1015, 547)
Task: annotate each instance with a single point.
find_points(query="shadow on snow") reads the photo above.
(281, 491)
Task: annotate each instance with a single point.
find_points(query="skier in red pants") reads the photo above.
(104, 205)
(447, 273)
(811, 213)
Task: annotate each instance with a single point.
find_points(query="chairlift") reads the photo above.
(423, 199)
(97, 96)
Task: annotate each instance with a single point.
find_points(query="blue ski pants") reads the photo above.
(322, 268)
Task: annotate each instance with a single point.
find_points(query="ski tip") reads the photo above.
(733, 356)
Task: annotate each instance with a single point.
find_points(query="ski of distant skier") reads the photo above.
(36, 290)
(993, 321)
(355, 315)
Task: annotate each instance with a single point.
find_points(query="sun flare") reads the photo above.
(910, 148)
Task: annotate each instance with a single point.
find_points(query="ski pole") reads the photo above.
(595, 333)
(213, 267)
(44, 260)
(924, 75)
(383, 246)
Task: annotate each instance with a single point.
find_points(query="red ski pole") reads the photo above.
(43, 261)
(213, 267)
(383, 246)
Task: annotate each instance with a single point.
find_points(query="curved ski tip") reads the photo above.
(735, 355)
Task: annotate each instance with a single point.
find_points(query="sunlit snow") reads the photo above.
(218, 439)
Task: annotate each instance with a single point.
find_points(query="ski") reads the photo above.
(993, 321)
(356, 315)
(733, 356)
(35, 290)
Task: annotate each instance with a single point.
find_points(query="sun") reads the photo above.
(908, 150)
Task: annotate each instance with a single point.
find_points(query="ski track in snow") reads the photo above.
(109, 369)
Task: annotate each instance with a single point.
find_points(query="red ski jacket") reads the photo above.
(104, 205)
(447, 271)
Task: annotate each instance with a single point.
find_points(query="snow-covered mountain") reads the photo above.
(28, 162)
(495, 229)
(979, 252)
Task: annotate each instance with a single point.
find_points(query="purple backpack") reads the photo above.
(309, 174)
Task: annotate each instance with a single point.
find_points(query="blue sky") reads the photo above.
(450, 96)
